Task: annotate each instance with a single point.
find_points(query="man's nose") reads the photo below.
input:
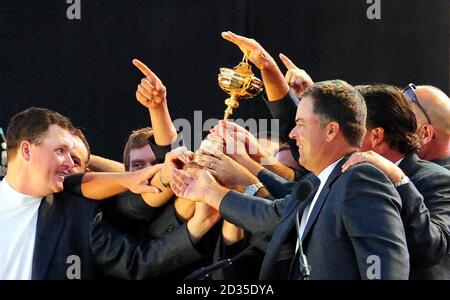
(69, 162)
(292, 134)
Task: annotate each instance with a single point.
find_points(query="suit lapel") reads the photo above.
(323, 196)
(294, 202)
(283, 229)
(49, 227)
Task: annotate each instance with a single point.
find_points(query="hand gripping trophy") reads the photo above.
(239, 83)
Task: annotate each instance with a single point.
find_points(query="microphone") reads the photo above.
(204, 271)
(3, 157)
(303, 191)
(2, 134)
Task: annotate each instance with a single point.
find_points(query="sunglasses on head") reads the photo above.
(411, 96)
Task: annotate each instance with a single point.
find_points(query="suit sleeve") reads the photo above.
(284, 110)
(371, 217)
(121, 257)
(427, 223)
(277, 185)
(254, 214)
(133, 207)
(72, 184)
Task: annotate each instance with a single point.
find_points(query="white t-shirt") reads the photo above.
(18, 222)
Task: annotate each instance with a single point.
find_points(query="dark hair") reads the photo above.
(137, 139)
(79, 133)
(31, 125)
(387, 108)
(336, 100)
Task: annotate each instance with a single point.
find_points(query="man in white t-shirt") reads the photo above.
(45, 231)
(43, 158)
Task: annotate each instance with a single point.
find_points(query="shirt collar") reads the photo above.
(8, 189)
(323, 176)
(397, 163)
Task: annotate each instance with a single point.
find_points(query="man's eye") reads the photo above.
(60, 151)
(76, 163)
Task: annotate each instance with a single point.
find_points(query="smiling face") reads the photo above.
(50, 161)
(79, 154)
(310, 135)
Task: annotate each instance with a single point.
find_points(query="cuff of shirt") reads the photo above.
(72, 183)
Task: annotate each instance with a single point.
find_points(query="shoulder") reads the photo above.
(73, 203)
(429, 178)
(364, 172)
(421, 169)
(366, 181)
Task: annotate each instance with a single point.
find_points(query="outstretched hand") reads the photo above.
(139, 181)
(191, 184)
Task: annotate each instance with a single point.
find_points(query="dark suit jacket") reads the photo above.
(426, 216)
(284, 110)
(164, 249)
(444, 162)
(63, 230)
(160, 246)
(356, 217)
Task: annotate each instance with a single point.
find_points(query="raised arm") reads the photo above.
(101, 164)
(274, 82)
(153, 94)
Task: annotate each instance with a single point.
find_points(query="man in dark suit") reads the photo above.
(431, 106)
(425, 191)
(349, 225)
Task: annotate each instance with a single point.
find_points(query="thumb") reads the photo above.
(149, 189)
(287, 62)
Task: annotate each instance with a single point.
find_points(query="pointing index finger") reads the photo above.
(237, 39)
(143, 68)
(287, 62)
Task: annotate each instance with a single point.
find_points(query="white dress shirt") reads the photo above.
(18, 222)
(323, 177)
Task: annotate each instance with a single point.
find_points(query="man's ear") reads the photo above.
(25, 149)
(87, 170)
(426, 133)
(377, 137)
(332, 131)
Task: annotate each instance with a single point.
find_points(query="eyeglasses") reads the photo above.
(411, 96)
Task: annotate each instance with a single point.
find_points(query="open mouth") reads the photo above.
(60, 175)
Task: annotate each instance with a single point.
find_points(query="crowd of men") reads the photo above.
(359, 188)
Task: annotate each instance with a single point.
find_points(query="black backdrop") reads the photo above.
(82, 68)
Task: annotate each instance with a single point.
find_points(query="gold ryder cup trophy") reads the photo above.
(239, 83)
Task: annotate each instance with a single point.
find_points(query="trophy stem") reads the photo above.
(231, 103)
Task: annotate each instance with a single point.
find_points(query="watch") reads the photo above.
(252, 189)
(403, 181)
